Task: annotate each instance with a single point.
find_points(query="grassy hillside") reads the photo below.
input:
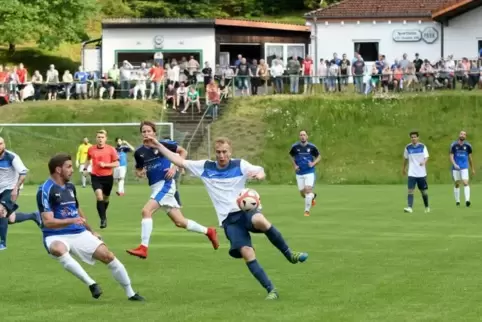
(361, 139)
(36, 145)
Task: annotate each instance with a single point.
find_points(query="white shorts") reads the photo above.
(120, 172)
(82, 245)
(163, 192)
(459, 175)
(89, 169)
(305, 180)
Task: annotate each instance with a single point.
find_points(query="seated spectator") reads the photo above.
(427, 74)
(387, 75)
(398, 78)
(213, 95)
(181, 95)
(170, 96)
(192, 99)
(474, 75)
(107, 84)
(3, 97)
(410, 79)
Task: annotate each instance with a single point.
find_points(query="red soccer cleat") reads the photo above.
(120, 194)
(213, 237)
(140, 252)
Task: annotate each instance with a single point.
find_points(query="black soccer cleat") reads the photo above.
(137, 297)
(103, 224)
(457, 204)
(467, 203)
(95, 290)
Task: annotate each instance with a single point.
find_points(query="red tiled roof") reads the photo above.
(451, 6)
(260, 24)
(380, 9)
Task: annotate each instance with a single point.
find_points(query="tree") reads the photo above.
(46, 22)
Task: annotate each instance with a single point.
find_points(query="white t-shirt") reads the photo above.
(11, 167)
(416, 154)
(223, 184)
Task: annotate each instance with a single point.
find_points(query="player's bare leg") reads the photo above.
(61, 253)
(457, 193)
(103, 254)
(176, 216)
(309, 199)
(262, 224)
(102, 205)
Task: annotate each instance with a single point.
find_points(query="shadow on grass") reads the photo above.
(35, 59)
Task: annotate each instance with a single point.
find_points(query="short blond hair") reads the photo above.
(222, 140)
(102, 132)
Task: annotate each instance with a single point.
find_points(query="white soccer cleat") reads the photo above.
(427, 210)
(408, 209)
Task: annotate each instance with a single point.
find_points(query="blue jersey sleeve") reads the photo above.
(314, 151)
(126, 149)
(139, 160)
(71, 186)
(170, 146)
(453, 149)
(469, 149)
(43, 200)
(293, 152)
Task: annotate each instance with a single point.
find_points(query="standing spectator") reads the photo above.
(344, 68)
(358, 71)
(263, 73)
(93, 83)
(254, 71)
(238, 61)
(3, 77)
(113, 75)
(193, 69)
(13, 81)
(140, 87)
(242, 76)
(174, 74)
(417, 63)
(474, 75)
(293, 69)
(404, 62)
(207, 74)
(333, 75)
(277, 73)
(387, 75)
(3, 97)
(308, 73)
(37, 80)
(68, 81)
(156, 74)
(125, 78)
(81, 78)
(22, 79)
(213, 98)
(323, 74)
(183, 71)
(52, 81)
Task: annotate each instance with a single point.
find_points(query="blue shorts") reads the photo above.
(6, 201)
(237, 227)
(420, 182)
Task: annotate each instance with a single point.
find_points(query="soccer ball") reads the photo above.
(248, 199)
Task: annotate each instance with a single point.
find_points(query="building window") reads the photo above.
(368, 50)
(480, 48)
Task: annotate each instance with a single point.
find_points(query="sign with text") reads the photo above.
(413, 35)
(430, 35)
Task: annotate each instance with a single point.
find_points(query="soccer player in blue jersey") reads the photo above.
(12, 176)
(461, 159)
(160, 175)
(122, 147)
(416, 155)
(224, 179)
(65, 230)
(305, 156)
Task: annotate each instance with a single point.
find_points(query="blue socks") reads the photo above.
(260, 275)
(410, 200)
(21, 217)
(278, 241)
(425, 198)
(3, 230)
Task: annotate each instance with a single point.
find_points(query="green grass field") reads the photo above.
(368, 262)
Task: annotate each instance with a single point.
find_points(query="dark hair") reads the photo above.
(117, 139)
(414, 133)
(148, 123)
(58, 160)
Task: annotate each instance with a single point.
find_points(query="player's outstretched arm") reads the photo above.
(49, 221)
(173, 157)
(252, 171)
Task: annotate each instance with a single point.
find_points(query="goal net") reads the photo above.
(36, 143)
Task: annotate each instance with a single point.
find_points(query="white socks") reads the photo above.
(308, 200)
(195, 227)
(74, 267)
(121, 276)
(146, 231)
(457, 194)
(84, 180)
(467, 193)
(120, 187)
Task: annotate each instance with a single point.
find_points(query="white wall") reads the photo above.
(339, 38)
(143, 39)
(463, 33)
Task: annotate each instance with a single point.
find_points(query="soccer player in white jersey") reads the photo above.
(416, 155)
(65, 230)
(151, 163)
(12, 176)
(461, 159)
(224, 179)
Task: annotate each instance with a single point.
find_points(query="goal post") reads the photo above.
(36, 143)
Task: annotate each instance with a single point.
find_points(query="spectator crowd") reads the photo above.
(180, 83)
